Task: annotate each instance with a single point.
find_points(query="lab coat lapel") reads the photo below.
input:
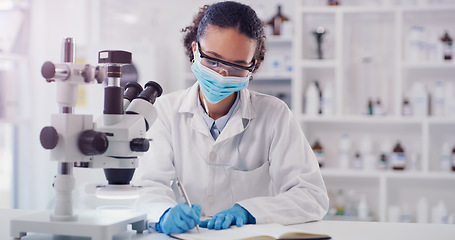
(239, 120)
(189, 105)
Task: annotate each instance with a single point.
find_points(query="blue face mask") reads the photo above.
(214, 86)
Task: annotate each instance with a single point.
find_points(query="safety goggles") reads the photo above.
(232, 69)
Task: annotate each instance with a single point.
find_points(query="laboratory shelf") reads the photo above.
(368, 9)
(348, 9)
(428, 8)
(367, 119)
(315, 63)
(419, 175)
(279, 39)
(366, 49)
(441, 120)
(351, 173)
(430, 65)
(375, 9)
(361, 119)
(387, 174)
(270, 76)
(318, 9)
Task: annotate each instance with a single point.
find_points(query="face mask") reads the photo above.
(214, 86)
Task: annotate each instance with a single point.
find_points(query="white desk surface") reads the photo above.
(338, 230)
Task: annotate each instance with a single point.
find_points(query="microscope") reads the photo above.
(113, 142)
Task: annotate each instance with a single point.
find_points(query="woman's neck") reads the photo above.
(219, 109)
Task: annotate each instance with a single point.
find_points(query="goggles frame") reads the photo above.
(249, 68)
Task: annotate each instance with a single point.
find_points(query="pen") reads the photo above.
(187, 200)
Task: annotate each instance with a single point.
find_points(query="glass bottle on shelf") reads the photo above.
(382, 161)
(407, 110)
(357, 162)
(362, 209)
(344, 151)
(447, 46)
(445, 164)
(333, 2)
(453, 159)
(398, 160)
(370, 106)
(316, 82)
(327, 100)
(340, 202)
(277, 21)
(377, 108)
(312, 99)
(350, 206)
(319, 152)
(384, 156)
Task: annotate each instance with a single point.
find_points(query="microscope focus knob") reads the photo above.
(139, 145)
(93, 142)
(100, 74)
(51, 71)
(48, 70)
(48, 138)
(88, 73)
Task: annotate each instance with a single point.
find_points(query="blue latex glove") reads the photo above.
(179, 219)
(235, 215)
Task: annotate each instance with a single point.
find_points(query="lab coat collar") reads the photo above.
(189, 104)
(235, 125)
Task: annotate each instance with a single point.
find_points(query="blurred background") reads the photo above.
(371, 82)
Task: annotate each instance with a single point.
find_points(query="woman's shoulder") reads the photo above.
(173, 98)
(262, 101)
(171, 101)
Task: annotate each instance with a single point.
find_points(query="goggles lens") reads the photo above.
(232, 69)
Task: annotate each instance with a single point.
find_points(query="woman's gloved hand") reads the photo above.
(235, 215)
(179, 219)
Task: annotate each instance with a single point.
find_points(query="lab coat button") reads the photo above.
(212, 157)
(210, 199)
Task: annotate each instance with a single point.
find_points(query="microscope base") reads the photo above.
(89, 224)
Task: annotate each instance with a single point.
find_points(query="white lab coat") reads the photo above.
(261, 160)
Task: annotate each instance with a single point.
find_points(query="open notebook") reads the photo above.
(253, 231)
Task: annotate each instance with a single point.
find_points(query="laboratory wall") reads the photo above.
(352, 97)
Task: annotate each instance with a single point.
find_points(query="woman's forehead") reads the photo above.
(228, 44)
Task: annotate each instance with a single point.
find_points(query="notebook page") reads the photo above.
(274, 230)
(232, 233)
(278, 231)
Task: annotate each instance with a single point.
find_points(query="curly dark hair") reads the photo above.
(227, 15)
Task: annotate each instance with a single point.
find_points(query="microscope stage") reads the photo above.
(88, 224)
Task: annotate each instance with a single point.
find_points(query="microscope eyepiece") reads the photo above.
(151, 92)
(132, 90)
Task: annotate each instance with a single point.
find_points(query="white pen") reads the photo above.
(187, 200)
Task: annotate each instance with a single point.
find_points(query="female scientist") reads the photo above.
(241, 155)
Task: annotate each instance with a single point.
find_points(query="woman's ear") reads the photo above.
(193, 46)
